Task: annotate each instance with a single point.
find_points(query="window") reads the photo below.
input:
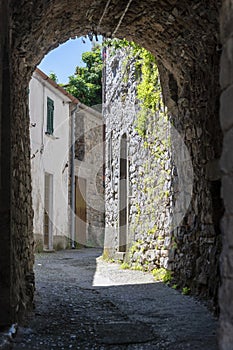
(80, 137)
(50, 116)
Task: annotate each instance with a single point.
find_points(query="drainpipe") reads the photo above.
(43, 122)
(72, 226)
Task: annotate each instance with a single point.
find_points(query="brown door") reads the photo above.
(80, 210)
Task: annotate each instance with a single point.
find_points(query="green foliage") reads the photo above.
(116, 44)
(162, 274)
(137, 267)
(185, 290)
(39, 246)
(135, 247)
(141, 123)
(106, 256)
(153, 230)
(53, 77)
(175, 286)
(174, 243)
(125, 266)
(148, 90)
(86, 83)
(111, 260)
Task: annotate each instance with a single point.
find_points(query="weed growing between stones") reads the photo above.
(162, 274)
(125, 266)
(186, 290)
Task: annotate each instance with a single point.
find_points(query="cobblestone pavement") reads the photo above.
(82, 302)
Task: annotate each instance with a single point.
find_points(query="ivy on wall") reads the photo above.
(151, 200)
(149, 93)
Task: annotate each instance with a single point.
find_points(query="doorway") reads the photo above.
(48, 212)
(123, 195)
(80, 210)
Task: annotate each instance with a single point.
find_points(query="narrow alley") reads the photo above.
(83, 302)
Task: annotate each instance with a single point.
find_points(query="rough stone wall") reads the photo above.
(89, 166)
(177, 32)
(199, 236)
(149, 167)
(183, 37)
(226, 80)
(173, 197)
(5, 183)
(21, 202)
(16, 216)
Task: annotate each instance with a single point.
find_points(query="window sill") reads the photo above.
(51, 136)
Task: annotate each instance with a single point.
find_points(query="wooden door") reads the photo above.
(80, 210)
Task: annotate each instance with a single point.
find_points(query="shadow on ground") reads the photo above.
(82, 302)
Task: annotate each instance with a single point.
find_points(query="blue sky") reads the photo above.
(64, 59)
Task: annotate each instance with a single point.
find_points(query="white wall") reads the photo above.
(49, 154)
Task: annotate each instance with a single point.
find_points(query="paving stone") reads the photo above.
(105, 307)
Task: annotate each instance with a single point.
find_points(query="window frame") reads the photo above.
(50, 116)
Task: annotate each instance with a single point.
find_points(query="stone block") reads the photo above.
(226, 20)
(226, 64)
(226, 301)
(167, 241)
(202, 278)
(165, 253)
(227, 228)
(136, 255)
(166, 263)
(226, 162)
(213, 170)
(226, 193)
(225, 334)
(226, 108)
(227, 264)
(119, 256)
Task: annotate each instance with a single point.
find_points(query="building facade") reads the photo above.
(50, 118)
(66, 167)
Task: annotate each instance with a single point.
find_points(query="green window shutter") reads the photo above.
(50, 116)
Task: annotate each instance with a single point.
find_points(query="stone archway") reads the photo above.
(184, 39)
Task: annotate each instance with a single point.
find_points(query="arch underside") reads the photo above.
(183, 36)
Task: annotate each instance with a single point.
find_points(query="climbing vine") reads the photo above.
(149, 93)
